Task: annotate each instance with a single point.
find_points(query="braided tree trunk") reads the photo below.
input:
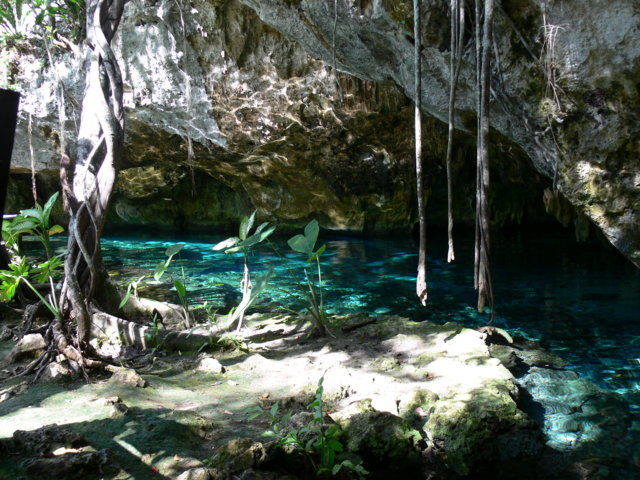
(100, 146)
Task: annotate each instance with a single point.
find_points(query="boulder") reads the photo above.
(45, 440)
(386, 442)
(31, 345)
(211, 365)
(55, 371)
(128, 376)
(72, 465)
(238, 455)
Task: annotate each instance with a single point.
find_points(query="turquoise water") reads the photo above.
(580, 300)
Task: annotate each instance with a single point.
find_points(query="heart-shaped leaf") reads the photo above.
(304, 243)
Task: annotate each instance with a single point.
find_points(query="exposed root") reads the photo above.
(144, 337)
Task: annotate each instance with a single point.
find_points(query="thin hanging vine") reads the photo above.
(482, 277)
(457, 40)
(421, 280)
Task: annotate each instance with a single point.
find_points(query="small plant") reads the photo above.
(161, 269)
(305, 243)
(179, 285)
(244, 243)
(44, 272)
(21, 18)
(132, 288)
(230, 341)
(319, 442)
(32, 221)
(14, 17)
(153, 334)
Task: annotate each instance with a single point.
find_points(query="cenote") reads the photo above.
(136, 135)
(580, 300)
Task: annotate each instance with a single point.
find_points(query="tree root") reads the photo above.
(143, 336)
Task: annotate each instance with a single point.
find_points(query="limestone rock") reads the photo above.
(211, 365)
(239, 454)
(68, 465)
(45, 440)
(200, 473)
(128, 376)
(486, 425)
(583, 129)
(385, 441)
(29, 345)
(55, 371)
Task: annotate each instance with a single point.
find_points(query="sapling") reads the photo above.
(320, 443)
(32, 221)
(305, 243)
(244, 243)
(161, 269)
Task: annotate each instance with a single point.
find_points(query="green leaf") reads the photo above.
(261, 227)
(182, 291)
(304, 243)
(316, 255)
(229, 242)
(173, 249)
(52, 268)
(46, 210)
(336, 445)
(21, 225)
(32, 213)
(274, 409)
(125, 299)
(56, 229)
(245, 225)
(161, 268)
(253, 416)
(256, 238)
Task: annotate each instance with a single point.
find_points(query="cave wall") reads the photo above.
(233, 104)
(565, 85)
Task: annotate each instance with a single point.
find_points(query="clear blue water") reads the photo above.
(582, 301)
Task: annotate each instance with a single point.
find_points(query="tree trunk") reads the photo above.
(421, 281)
(100, 146)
